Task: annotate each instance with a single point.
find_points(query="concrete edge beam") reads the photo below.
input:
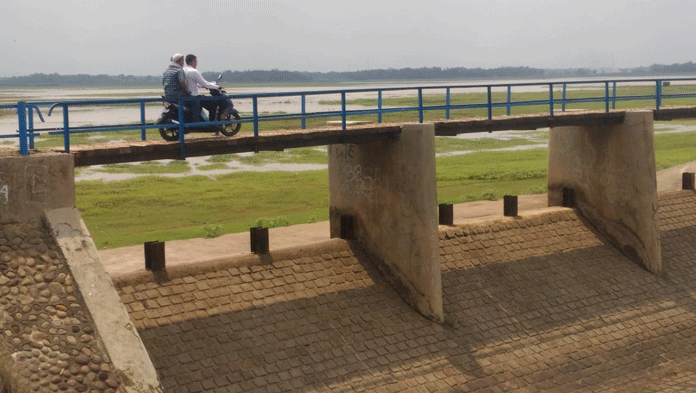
(117, 331)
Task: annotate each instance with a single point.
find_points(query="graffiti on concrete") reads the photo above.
(30, 184)
(343, 151)
(4, 194)
(360, 181)
(37, 182)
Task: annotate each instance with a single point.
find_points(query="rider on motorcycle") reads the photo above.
(194, 81)
(174, 79)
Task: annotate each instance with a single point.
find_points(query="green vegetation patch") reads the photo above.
(303, 155)
(149, 167)
(450, 144)
(674, 148)
(158, 208)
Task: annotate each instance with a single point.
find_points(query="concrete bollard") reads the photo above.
(446, 214)
(154, 256)
(510, 205)
(687, 181)
(259, 240)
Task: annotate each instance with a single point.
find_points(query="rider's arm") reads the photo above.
(182, 82)
(202, 82)
(184, 87)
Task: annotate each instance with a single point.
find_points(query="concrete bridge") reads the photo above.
(94, 154)
(382, 196)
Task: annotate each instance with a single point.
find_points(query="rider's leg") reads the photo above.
(210, 105)
(195, 106)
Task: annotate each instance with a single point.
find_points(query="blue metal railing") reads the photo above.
(27, 131)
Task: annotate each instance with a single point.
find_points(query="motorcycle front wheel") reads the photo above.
(169, 134)
(233, 128)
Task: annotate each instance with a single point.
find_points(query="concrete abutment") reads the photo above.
(44, 240)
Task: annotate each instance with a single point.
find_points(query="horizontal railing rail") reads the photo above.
(490, 97)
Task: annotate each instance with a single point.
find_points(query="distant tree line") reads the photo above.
(391, 74)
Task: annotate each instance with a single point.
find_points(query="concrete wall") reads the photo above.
(390, 189)
(28, 185)
(612, 170)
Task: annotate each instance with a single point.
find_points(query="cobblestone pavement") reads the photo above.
(49, 342)
(533, 304)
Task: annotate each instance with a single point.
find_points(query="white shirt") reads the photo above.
(194, 80)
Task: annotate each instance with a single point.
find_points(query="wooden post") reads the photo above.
(446, 214)
(510, 205)
(154, 256)
(259, 240)
(347, 227)
(568, 197)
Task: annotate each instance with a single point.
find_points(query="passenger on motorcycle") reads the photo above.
(194, 81)
(174, 79)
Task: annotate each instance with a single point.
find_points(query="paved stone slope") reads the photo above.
(48, 339)
(531, 304)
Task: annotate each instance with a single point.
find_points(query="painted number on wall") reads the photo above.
(4, 194)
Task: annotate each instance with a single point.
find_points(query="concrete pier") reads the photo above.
(611, 169)
(390, 189)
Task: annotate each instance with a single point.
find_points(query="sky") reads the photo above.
(138, 37)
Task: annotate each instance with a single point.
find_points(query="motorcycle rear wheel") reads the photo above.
(233, 128)
(169, 134)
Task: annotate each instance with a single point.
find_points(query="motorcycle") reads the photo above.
(225, 111)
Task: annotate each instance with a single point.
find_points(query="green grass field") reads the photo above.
(153, 207)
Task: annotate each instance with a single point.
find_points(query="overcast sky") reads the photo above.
(139, 36)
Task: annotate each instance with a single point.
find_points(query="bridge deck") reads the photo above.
(111, 153)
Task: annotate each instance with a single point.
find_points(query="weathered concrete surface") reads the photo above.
(390, 189)
(28, 185)
(612, 170)
(121, 339)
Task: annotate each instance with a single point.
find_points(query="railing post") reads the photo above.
(565, 96)
(379, 106)
(613, 96)
(66, 128)
(420, 104)
(182, 146)
(255, 103)
(303, 104)
(606, 96)
(490, 103)
(143, 131)
(551, 99)
(343, 110)
(22, 123)
(448, 102)
(509, 99)
(30, 130)
(658, 94)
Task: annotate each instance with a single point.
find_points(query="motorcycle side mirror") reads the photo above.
(218, 78)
